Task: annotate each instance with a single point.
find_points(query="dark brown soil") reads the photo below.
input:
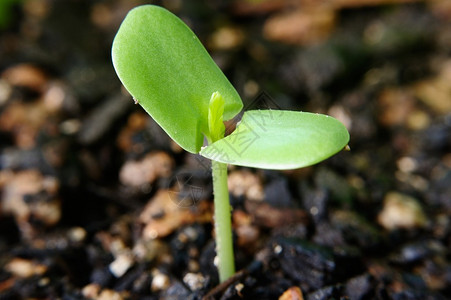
(97, 202)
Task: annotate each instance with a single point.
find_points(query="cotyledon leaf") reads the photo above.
(164, 66)
(277, 139)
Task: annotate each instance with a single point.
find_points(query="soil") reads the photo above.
(98, 203)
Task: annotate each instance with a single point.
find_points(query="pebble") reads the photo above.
(24, 120)
(91, 291)
(25, 75)
(247, 236)
(121, 264)
(148, 250)
(108, 294)
(435, 92)
(247, 233)
(395, 105)
(293, 293)
(245, 183)
(193, 265)
(195, 281)
(77, 234)
(360, 287)
(29, 195)
(145, 171)
(177, 290)
(401, 211)
(111, 243)
(25, 268)
(328, 292)
(54, 98)
(160, 281)
(5, 91)
(226, 38)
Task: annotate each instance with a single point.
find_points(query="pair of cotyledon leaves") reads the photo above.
(167, 70)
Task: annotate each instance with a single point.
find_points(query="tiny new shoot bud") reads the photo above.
(215, 119)
(164, 66)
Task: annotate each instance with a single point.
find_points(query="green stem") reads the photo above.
(223, 223)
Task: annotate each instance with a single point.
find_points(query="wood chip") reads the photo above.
(161, 216)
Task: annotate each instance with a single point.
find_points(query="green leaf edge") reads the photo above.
(223, 150)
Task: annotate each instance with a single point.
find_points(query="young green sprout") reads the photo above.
(166, 69)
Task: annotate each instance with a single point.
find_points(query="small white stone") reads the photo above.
(91, 291)
(121, 264)
(314, 210)
(278, 249)
(160, 281)
(401, 211)
(194, 281)
(77, 234)
(407, 164)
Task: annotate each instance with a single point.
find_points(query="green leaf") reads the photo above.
(277, 139)
(166, 69)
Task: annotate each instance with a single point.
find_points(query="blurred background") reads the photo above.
(96, 201)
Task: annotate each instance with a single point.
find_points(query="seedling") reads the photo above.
(164, 66)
